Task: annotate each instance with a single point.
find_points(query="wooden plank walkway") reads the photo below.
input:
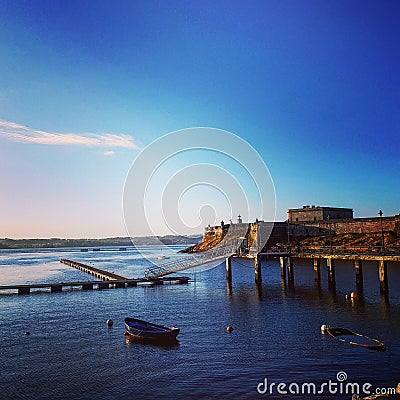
(108, 280)
(98, 273)
(91, 285)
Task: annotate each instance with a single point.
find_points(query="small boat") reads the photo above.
(162, 257)
(142, 330)
(356, 339)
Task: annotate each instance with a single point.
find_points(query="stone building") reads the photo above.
(318, 213)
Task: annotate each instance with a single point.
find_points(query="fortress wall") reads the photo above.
(356, 225)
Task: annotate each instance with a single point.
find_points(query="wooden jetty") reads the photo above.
(108, 280)
(91, 285)
(287, 266)
(287, 257)
(89, 269)
(287, 262)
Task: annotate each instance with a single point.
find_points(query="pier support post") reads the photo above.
(282, 263)
(330, 262)
(87, 286)
(131, 284)
(383, 277)
(55, 288)
(257, 269)
(317, 270)
(359, 275)
(228, 267)
(102, 285)
(290, 269)
(24, 290)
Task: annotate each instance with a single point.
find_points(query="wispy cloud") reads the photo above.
(19, 133)
(109, 153)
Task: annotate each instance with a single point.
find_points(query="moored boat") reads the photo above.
(353, 338)
(147, 331)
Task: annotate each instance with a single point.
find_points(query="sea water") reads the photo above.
(72, 354)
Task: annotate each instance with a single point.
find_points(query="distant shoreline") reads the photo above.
(10, 244)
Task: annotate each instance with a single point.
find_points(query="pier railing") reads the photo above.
(183, 263)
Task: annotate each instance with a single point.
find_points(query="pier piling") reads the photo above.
(330, 263)
(282, 263)
(55, 288)
(317, 270)
(228, 267)
(359, 275)
(383, 277)
(257, 269)
(290, 269)
(24, 290)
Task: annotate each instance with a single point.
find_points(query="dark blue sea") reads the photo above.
(71, 353)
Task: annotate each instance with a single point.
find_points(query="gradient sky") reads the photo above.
(313, 86)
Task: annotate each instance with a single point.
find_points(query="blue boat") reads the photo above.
(146, 331)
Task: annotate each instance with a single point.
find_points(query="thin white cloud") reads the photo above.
(19, 133)
(109, 153)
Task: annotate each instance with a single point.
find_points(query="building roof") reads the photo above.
(308, 208)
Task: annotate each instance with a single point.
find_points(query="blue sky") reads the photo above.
(313, 86)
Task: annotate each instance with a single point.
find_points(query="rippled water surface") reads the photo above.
(72, 354)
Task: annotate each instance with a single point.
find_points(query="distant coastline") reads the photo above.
(171, 240)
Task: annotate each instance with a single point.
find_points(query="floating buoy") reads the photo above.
(27, 333)
(109, 323)
(324, 328)
(353, 295)
(229, 329)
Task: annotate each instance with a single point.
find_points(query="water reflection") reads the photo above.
(321, 292)
(172, 344)
(276, 335)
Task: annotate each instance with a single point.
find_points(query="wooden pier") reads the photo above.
(92, 285)
(287, 261)
(98, 273)
(358, 259)
(108, 280)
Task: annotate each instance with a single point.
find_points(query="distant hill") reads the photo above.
(117, 241)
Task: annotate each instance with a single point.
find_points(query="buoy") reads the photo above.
(229, 329)
(353, 295)
(324, 328)
(26, 333)
(109, 322)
